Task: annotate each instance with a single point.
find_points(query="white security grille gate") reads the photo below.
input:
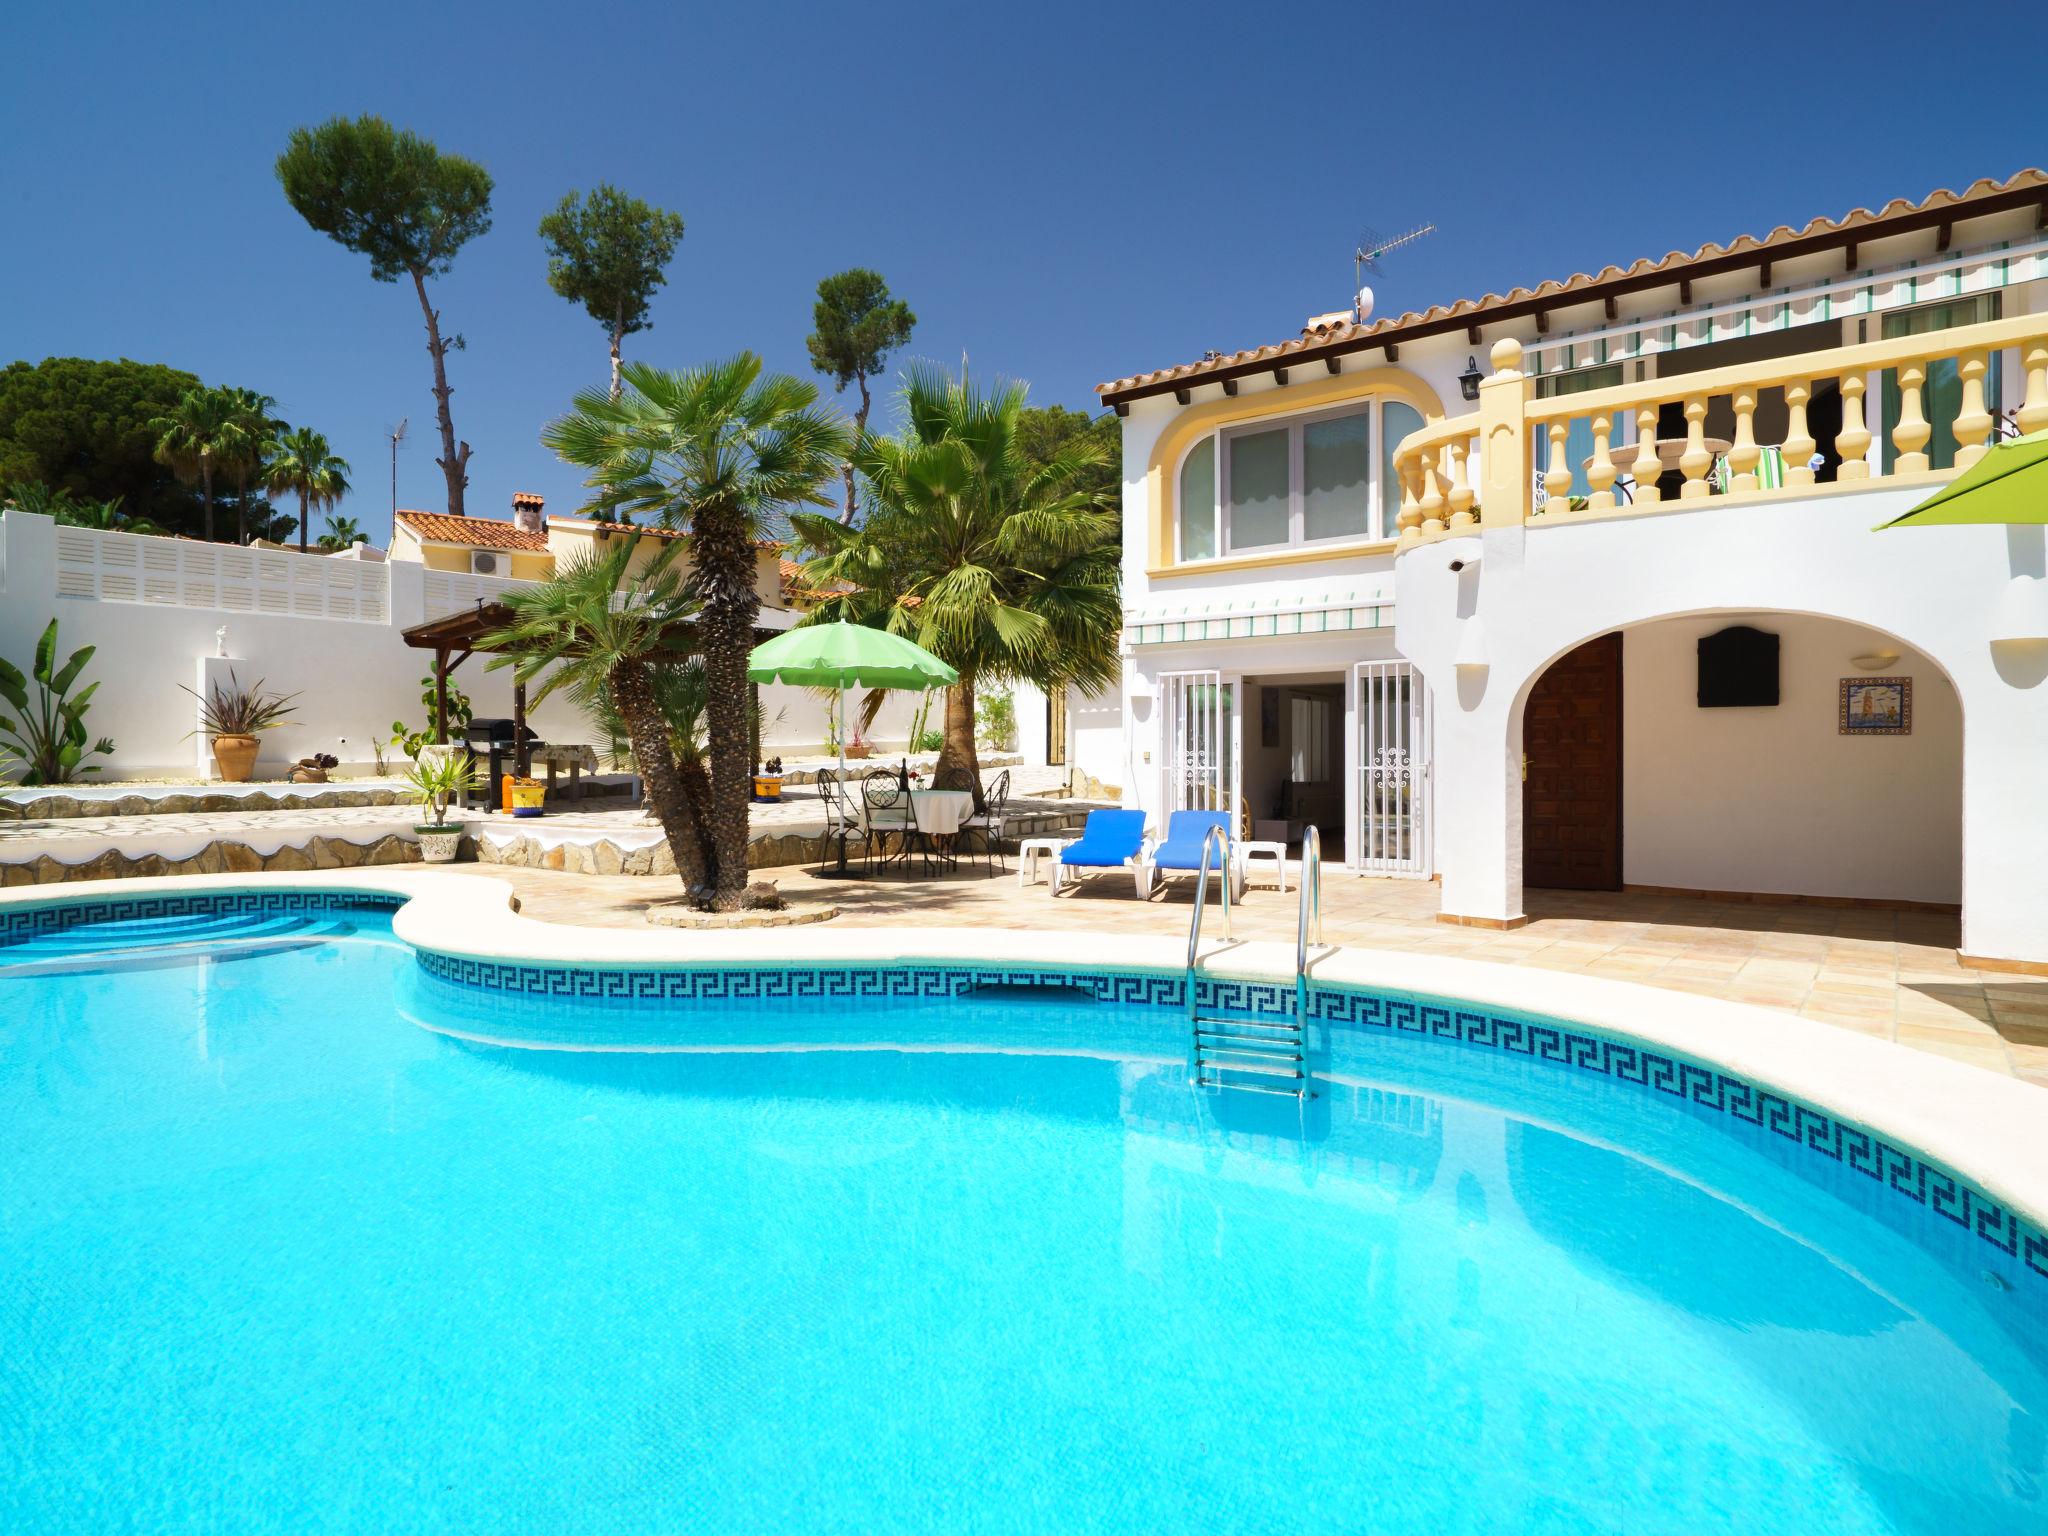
(1390, 702)
(1200, 740)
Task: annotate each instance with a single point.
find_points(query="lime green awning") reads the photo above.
(2008, 485)
(843, 655)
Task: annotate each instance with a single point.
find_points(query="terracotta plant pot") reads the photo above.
(234, 757)
(309, 776)
(439, 845)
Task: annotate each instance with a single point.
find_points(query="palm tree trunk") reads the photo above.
(860, 425)
(454, 460)
(206, 491)
(958, 751)
(302, 519)
(242, 509)
(634, 696)
(723, 555)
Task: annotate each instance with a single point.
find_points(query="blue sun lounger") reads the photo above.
(1181, 852)
(1110, 840)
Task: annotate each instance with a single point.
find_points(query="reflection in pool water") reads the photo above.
(284, 1253)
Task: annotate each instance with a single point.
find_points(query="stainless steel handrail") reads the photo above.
(1216, 835)
(1311, 913)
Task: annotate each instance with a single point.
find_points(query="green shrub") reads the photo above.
(49, 740)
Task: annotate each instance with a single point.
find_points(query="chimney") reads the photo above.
(526, 511)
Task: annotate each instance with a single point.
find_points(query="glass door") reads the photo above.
(1200, 735)
(1391, 816)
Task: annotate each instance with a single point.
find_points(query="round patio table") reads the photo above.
(939, 812)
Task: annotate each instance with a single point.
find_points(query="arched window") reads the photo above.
(1292, 482)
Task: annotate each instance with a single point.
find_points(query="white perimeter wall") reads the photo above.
(1778, 800)
(354, 678)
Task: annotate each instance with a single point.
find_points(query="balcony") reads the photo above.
(1794, 427)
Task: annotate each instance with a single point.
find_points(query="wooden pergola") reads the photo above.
(455, 637)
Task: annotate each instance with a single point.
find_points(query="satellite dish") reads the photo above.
(1364, 305)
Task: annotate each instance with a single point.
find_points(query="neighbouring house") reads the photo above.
(1574, 586)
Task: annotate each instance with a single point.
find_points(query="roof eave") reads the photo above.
(1681, 273)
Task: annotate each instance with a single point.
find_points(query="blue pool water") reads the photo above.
(286, 1245)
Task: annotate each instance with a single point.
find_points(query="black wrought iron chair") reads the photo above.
(843, 819)
(987, 823)
(886, 810)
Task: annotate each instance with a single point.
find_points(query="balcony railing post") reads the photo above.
(1695, 461)
(1504, 400)
(1743, 453)
(1911, 434)
(1799, 443)
(1461, 489)
(2033, 413)
(1973, 421)
(1647, 468)
(1853, 441)
(1600, 470)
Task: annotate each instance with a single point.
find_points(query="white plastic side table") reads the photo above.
(1276, 852)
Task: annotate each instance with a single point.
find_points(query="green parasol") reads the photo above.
(844, 656)
(2008, 485)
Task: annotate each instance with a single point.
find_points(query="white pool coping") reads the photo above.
(1991, 1130)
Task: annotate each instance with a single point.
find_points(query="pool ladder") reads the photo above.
(1258, 1055)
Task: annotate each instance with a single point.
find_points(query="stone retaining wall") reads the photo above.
(216, 858)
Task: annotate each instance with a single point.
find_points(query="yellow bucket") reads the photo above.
(524, 797)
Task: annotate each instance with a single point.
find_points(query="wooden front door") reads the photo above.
(1571, 784)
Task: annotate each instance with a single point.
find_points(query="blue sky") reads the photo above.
(1065, 192)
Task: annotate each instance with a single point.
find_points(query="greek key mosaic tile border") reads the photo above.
(1889, 1167)
(20, 924)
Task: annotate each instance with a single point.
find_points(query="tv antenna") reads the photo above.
(397, 436)
(1366, 258)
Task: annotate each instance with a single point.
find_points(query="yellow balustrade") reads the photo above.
(1440, 467)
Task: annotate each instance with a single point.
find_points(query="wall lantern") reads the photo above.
(1468, 381)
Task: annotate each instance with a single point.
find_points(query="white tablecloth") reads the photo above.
(939, 812)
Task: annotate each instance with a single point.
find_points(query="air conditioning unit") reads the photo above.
(486, 562)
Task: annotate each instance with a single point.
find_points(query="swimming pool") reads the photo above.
(300, 1231)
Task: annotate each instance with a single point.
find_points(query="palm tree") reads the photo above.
(202, 433)
(259, 428)
(341, 532)
(711, 452)
(300, 461)
(1004, 569)
(567, 633)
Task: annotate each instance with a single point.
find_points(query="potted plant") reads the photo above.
(234, 716)
(313, 770)
(768, 782)
(437, 776)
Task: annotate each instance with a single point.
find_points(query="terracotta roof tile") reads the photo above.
(1326, 329)
(474, 532)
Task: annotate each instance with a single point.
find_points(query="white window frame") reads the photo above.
(1377, 506)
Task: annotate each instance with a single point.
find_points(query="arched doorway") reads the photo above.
(1640, 773)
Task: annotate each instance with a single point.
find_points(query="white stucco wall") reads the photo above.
(1777, 799)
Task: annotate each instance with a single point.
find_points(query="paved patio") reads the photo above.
(1890, 974)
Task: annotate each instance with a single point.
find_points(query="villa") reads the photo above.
(1576, 587)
